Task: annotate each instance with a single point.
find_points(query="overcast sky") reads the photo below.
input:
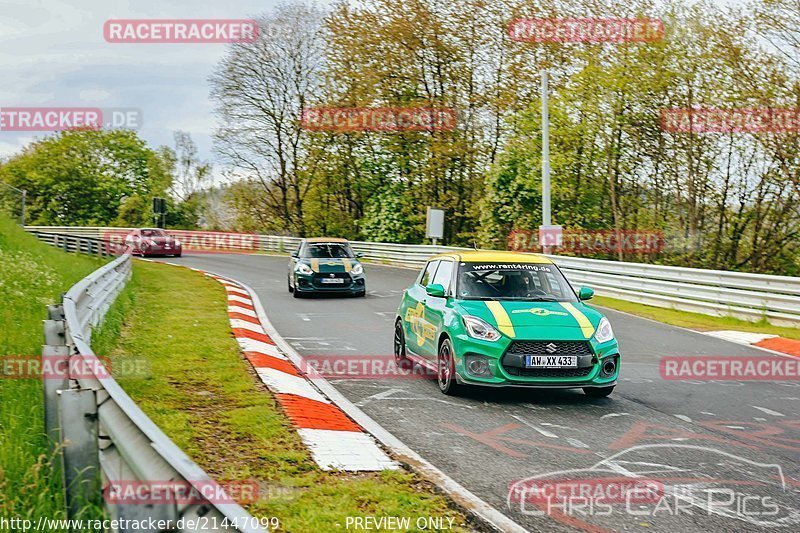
(52, 53)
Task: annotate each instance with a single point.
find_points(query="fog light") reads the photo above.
(609, 367)
(478, 365)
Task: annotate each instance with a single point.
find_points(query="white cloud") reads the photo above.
(53, 54)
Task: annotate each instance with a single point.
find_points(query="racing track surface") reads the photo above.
(742, 438)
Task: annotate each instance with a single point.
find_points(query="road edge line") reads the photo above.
(466, 500)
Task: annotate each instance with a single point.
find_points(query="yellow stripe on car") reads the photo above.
(586, 326)
(501, 317)
(315, 265)
(347, 265)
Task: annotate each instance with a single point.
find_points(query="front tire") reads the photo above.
(446, 369)
(289, 285)
(399, 344)
(598, 392)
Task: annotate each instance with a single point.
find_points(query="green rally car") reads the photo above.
(326, 265)
(505, 319)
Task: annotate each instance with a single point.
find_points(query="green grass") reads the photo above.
(694, 321)
(32, 275)
(206, 398)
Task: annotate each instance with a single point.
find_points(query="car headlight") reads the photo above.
(604, 332)
(304, 269)
(357, 270)
(480, 329)
(177, 242)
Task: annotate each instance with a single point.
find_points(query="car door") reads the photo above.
(435, 305)
(419, 333)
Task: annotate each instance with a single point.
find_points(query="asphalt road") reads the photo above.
(727, 453)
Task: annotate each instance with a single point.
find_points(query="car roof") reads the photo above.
(325, 239)
(490, 256)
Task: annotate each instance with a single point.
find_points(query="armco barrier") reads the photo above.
(714, 292)
(102, 435)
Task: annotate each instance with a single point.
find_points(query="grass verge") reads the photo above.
(695, 321)
(205, 397)
(32, 275)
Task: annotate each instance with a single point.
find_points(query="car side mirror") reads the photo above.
(294, 255)
(435, 289)
(585, 293)
(359, 255)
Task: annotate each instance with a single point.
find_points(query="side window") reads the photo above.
(425, 280)
(552, 285)
(443, 275)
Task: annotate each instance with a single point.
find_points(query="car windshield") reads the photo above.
(513, 281)
(154, 233)
(328, 249)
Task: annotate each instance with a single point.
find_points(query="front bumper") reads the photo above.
(313, 283)
(505, 366)
(160, 251)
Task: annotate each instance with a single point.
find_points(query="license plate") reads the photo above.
(332, 280)
(551, 361)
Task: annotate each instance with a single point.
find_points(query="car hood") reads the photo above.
(159, 240)
(536, 320)
(329, 264)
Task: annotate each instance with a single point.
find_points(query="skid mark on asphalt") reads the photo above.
(535, 428)
(768, 411)
(613, 415)
(496, 439)
(318, 344)
(558, 426)
(391, 394)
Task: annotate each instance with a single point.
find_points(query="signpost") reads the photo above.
(546, 221)
(159, 211)
(434, 224)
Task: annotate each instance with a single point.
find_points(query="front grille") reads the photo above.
(549, 372)
(578, 348)
(316, 280)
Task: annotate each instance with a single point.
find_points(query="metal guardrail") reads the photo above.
(102, 435)
(742, 295)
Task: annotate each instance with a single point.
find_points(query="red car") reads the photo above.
(153, 241)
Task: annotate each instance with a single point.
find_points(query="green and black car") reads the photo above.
(500, 319)
(326, 265)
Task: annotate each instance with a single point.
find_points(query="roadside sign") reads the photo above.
(434, 224)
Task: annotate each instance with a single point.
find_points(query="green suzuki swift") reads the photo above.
(505, 319)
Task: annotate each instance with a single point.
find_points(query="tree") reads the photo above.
(88, 178)
(261, 90)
